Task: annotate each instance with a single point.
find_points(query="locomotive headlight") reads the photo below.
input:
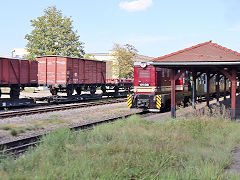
(135, 90)
(154, 89)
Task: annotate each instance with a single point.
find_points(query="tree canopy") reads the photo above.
(123, 64)
(53, 34)
(89, 56)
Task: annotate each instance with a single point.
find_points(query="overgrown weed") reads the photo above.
(132, 149)
(216, 110)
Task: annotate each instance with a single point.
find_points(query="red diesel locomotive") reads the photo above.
(152, 88)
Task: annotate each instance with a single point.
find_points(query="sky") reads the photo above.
(154, 27)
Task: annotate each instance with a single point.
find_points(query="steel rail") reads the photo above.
(57, 108)
(19, 146)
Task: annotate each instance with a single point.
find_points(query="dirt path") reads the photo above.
(235, 166)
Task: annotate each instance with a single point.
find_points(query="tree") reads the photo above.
(89, 56)
(53, 35)
(123, 64)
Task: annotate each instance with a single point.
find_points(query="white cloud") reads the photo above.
(235, 28)
(137, 5)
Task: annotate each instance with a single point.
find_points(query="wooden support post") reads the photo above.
(173, 103)
(238, 85)
(232, 77)
(230, 89)
(225, 87)
(217, 86)
(194, 75)
(233, 94)
(208, 88)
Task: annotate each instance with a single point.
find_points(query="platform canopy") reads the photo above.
(207, 57)
(206, 54)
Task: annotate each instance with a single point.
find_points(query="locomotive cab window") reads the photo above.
(144, 74)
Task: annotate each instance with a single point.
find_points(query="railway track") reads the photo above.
(20, 146)
(57, 108)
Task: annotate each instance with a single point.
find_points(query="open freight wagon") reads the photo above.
(66, 74)
(16, 74)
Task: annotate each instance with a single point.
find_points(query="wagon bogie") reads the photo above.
(69, 90)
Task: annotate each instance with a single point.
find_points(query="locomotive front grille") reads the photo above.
(143, 103)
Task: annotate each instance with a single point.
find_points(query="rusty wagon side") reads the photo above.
(66, 74)
(17, 73)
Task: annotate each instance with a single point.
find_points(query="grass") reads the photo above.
(29, 89)
(132, 149)
(14, 132)
(53, 120)
(15, 128)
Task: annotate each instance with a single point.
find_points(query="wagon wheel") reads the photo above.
(92, 90)
(14, 92)
(186, 101)
(78, 90)
(69, 90)
(103, 88)
(53, 91)
(116, 89)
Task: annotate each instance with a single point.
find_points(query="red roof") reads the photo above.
(206, 51)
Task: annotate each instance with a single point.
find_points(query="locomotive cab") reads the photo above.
(145, 85)
(152, 87)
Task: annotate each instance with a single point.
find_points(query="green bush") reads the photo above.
(13, 132)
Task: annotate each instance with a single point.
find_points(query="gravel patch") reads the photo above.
(188, 112)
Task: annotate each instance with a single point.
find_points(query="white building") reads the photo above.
(19, 53)
(109, 58)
